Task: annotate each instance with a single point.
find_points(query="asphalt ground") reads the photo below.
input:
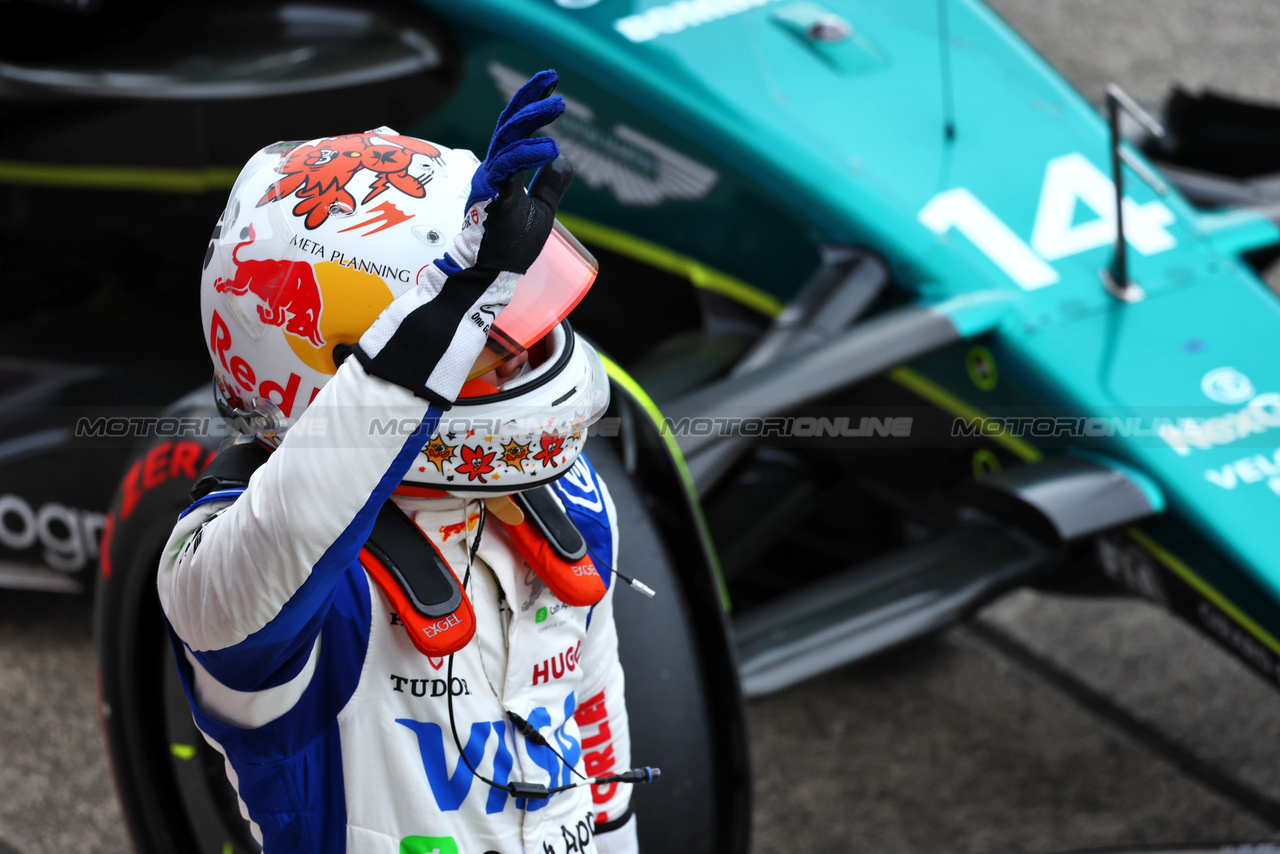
(1046, 724)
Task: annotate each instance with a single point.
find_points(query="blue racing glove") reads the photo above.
(423, 341)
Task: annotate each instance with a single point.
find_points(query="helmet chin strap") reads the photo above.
(504, 508)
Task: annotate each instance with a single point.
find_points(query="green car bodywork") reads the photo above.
(725, 139)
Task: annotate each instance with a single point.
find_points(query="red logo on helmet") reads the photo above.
(288, 288)
(385, 216)
(476, 463)
(552, 444)
(318, 173)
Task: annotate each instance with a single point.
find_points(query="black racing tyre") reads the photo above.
(172, 786)
(672, 717)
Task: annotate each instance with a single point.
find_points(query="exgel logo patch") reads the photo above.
(442, 625)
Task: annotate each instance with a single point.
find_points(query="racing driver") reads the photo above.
(391, 600)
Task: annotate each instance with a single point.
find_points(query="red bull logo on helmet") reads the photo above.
(318, 305)
(290, 295)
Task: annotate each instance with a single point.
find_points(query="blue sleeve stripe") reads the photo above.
(346, 638)
(278, 651)
(290, 770)
(216, 495)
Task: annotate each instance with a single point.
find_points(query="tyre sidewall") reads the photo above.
(131, 644)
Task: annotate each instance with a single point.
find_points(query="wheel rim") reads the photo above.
(211, 804)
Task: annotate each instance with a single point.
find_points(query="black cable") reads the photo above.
(635, 775)
(634, 583)
(453, 726)
(475, 544)
(527, 730)
(518, 789)
(535, 791)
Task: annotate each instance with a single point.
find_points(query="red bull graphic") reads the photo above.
(318, 173)
(447, 531)
(288, 289)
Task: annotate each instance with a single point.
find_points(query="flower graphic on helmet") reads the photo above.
(318, 173)
(476, 463)
(514, 455)
(438, 453)
(552, 444)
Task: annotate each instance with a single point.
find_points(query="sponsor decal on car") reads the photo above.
(1224, 385)
(639, 171)
(68, 536)
(1140, 564)
(671, 18)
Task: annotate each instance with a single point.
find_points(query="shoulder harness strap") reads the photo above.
(230, 469)
(541, 507)
(554, 549)
(419, 584)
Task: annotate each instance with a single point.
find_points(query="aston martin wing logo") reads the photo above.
(638, 170)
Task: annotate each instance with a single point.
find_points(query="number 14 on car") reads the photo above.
(1068, 180)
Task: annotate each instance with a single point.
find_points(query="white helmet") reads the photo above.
(318, 237)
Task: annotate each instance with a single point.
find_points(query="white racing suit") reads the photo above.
(335, 728)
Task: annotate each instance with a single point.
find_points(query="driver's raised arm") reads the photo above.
(246, 578)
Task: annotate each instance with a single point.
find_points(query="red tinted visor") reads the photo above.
(558, 280)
